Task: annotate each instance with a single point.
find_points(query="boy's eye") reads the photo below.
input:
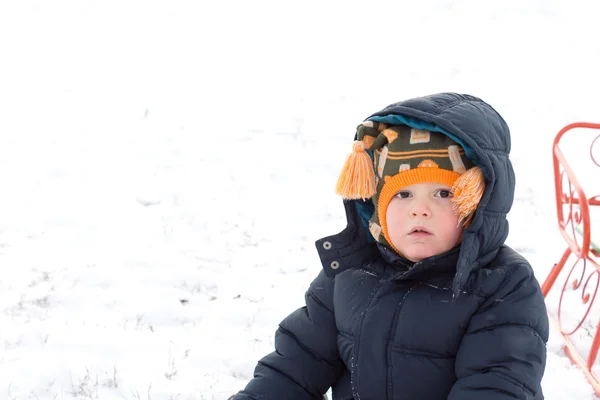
(403, 195)
(444, 193)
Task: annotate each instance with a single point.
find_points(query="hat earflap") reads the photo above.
(468, 190)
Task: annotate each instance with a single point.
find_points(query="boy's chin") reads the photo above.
(416, 255)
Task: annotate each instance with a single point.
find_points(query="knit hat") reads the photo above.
(387, 159)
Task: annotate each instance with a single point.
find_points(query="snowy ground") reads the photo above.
(167, 166)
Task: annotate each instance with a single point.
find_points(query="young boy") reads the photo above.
(418, 298)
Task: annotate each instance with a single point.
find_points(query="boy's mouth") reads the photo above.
(418, 231)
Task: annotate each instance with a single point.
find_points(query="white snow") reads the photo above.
(167, 166)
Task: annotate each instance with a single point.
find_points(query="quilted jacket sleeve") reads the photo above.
(503, 353)
(306, 361)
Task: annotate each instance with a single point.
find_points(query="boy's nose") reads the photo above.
(421, 210)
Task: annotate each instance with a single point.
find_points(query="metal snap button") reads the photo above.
(327, 245)
(335, 265)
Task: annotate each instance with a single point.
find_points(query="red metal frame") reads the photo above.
(573, 211)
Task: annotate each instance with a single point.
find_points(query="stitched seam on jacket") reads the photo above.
(431, 285)
(307, 349)
(440, 109)
(345, 335)
(420, 353)
(447, 106)
(494, 212)
(508, 325)
(289, 377)
(449, 289)
(319, 302)
(497, 151)
(510, 380)
(507, 273)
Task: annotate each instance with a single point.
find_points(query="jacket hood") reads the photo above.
(485, 137)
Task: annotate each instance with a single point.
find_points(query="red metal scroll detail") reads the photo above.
(588, 294)
(572, 206)
(595, 151)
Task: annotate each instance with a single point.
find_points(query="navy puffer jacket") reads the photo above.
(469, 324)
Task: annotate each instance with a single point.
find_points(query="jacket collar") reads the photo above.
(351, 248)
(423, 270)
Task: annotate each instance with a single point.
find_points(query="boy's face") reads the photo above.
(421, 222)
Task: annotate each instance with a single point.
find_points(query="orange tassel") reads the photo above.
(357, 179)
(468, 190)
